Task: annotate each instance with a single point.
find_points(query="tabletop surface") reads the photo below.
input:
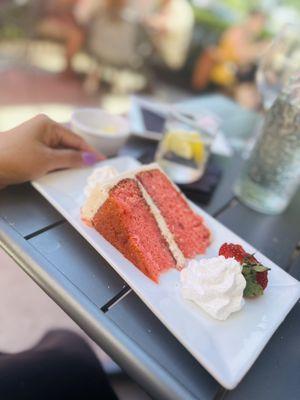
(80, 281)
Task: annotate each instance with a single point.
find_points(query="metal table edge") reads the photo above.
(138, 364)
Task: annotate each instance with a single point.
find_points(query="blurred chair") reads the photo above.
(116, 46)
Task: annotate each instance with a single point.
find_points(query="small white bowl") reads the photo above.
(104, 131)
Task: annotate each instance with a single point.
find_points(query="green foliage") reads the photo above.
(241, 6)
(209, 18)
(292, 3)
(14, 21)
(11, 32)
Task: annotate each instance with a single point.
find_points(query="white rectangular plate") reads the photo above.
(226, 349)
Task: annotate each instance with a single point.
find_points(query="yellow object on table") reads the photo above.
(187, 145)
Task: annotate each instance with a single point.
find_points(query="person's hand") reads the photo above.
(38, 146)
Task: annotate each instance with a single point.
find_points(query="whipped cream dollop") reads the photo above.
(98, 176)
(215, 284)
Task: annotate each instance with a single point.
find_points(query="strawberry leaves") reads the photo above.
(260, 268)
(250, 261)
(251, 270)
(252, 289)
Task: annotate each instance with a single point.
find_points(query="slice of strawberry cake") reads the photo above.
(146, 217)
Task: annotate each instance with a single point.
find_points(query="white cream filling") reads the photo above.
(96, 198)
(99, 176)
(165, 231)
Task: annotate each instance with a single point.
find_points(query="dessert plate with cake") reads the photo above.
(218, 296)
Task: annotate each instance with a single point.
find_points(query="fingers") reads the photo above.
(68, 139)
(57, 136)
(67, 158)
(61, 159)
(66, 149)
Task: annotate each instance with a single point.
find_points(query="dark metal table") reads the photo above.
(80, 281)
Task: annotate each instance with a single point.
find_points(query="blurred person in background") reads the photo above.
(85, 10)
(171, 25)
(232, 63)
(97, 25)
(111, 39)
(59, 23)
(142, 7)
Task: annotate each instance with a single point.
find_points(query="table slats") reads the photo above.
(138, 364)
(275, 236)
(69, 252)
(142, 326)
(23, 208)
(275, 375)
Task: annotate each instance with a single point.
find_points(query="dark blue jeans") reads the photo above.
(61, 366)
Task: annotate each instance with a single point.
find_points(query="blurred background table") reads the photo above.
(77, 278)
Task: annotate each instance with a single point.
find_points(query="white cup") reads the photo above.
(104, 131)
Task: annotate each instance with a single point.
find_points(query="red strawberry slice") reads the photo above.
(236, 251)
(262, 279)
(254, 272)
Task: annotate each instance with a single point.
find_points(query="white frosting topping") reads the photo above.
(99, 176)
(100, 191)
(215, 284)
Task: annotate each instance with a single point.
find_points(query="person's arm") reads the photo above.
(38, 146)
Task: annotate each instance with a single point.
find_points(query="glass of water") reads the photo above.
(185, 147)
(272, 174)
(279, 63)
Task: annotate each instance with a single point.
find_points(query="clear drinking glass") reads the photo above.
(272, 174)
(279, 63)
(185, 147)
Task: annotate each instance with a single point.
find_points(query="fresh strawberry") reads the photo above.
(254, 272)
(229, 250)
